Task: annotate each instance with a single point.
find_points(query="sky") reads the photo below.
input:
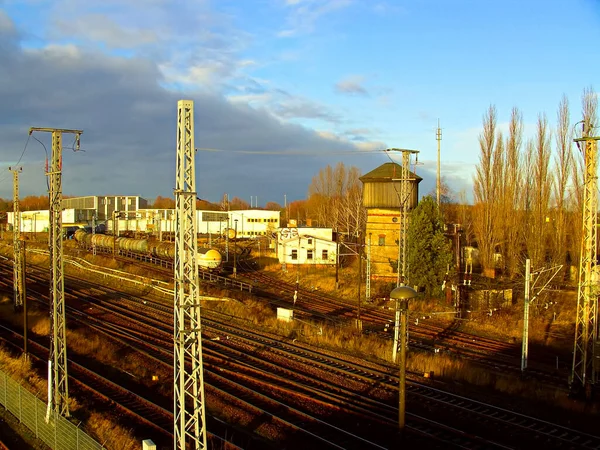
(281, 88)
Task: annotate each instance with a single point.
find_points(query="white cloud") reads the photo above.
(352, 85)
(101, 28)
(304, 14)
(129, 126)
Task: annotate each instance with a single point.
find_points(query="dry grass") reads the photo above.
(111, 434)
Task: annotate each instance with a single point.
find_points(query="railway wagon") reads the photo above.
(208, 258)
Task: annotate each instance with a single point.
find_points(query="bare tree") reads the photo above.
(538, 227)
(511, 196)
(563, 162)
(485, 190)
(590, 111)
(589, 106)
(335, 199)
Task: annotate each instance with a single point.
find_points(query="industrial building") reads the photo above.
(306, 246)
(131, 213)
(381, 198)
(103, 206)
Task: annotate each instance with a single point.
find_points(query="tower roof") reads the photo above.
(388, 172)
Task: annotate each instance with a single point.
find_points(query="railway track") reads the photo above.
(425, 335)
(574, 437)
(551, 435)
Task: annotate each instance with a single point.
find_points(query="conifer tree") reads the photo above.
(429, 252)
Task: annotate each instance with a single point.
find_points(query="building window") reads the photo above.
(310, 242)
(294, 255)
(324, 255)
(381, 240)
(309, 254)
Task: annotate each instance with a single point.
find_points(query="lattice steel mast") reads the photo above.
(19, 276)
(189, 410)
(58, 342)
(405, 197)
(584, 372)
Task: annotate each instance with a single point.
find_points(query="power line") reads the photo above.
(290, 153)
(17, 163)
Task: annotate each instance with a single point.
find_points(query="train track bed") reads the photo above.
(427, 335)
(251, 347)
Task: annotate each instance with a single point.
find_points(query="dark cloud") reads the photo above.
(128, 118)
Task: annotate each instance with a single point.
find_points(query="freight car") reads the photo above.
(208, 258)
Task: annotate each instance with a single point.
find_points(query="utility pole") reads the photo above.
(584, 371)
(19, 276)
(368, 280)
(189, 410)
(358, 321)
(337, 260)
(58, 338)
(525, 345)
(24, 271)
(438, 137)
(405, 197)
(235, 251)
(93, 233)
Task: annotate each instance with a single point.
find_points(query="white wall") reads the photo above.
(303, 241)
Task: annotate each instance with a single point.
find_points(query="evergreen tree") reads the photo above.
(429, 252)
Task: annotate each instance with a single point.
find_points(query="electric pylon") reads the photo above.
(19, 276)
(584, 371)
(438, 138)
(189, 410)
(58, 337)
(405, 197)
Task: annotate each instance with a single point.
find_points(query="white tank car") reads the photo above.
(209, 258)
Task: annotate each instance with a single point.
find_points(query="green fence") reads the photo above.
(58, 433)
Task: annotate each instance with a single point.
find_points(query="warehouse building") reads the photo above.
(103, 206)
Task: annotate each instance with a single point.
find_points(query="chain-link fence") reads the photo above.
(58, 433)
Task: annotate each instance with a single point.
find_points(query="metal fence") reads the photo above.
(58, 433)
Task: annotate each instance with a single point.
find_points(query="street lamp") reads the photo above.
(235, 251)
(402, 295)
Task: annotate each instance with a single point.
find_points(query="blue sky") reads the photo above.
(293, 78)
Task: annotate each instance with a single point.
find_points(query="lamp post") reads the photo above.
(35, 225)
(235, 251)
(402, 295)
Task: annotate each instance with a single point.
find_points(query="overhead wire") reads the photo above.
(46, 167)
(290, 153)
(2, 178)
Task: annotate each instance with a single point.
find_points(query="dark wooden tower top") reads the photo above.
(381, 187)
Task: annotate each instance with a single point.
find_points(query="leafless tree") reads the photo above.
(538, 227)
(335, 199)
(486, 190)
(510, 196)
(563, 162)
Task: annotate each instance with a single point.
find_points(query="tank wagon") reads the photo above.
(208, 258)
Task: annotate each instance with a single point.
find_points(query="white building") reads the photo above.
(104, 206)
(306, 246)
(39, 221)
(251, 223)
